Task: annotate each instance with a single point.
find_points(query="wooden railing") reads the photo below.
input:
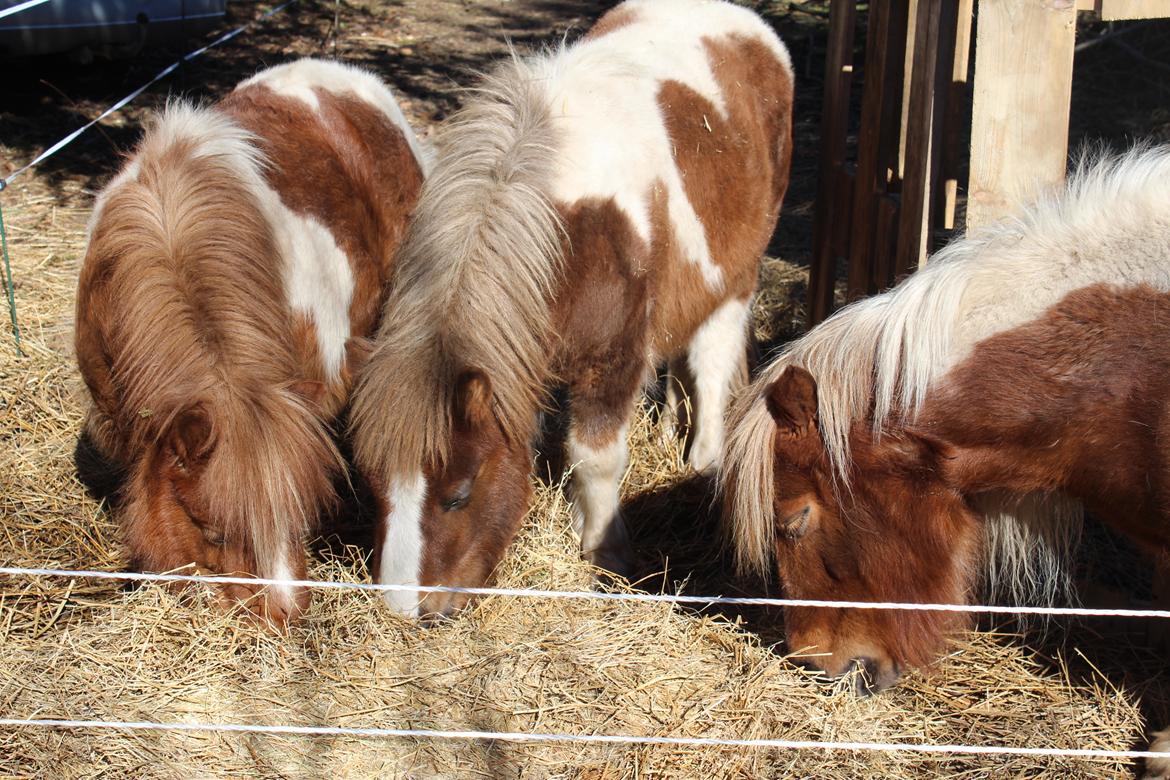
(880, 210)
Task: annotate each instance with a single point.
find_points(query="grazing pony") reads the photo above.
(1028, 358)
(592, 211)
(234, 267)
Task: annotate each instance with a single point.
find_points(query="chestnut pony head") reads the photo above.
(207, 491)
(889, 529)
(450, 522)
(184, 341)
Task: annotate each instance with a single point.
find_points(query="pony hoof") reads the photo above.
(611, 561)
(1159, 768)
(704, 456)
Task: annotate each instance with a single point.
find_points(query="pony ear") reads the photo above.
(921, 451)
(473, 399)
(357, 353)
(792, 400)
(309, 389)
(190, 436)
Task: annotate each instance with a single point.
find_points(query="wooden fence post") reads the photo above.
(833, 183)
(1023, 86)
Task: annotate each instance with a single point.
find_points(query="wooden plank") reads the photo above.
(891, 138)
(943, 130)
(1115, 10)
(886, 239)
(953, 113)
(1023, 84)
(834, 128)
(944, 67)
(843, 209)
(908, 67)
(897, 39)
(921, 147)
(870, 181)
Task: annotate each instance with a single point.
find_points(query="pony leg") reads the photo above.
(1159, 768)
(674, 418)
(598, 463)
(717, 358)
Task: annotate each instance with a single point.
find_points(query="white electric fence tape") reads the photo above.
(604, 739)
(588, 594)
(168, 70)
(21, 7)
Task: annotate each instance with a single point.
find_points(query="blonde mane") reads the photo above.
(877, 358)
(472, 281)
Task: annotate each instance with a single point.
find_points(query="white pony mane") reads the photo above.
(878, 357)
(472, 280)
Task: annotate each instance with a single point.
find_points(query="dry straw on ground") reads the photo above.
(89, 650)
(86, 650)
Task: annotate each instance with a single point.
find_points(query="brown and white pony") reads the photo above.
(1030, 358)
(592, 211)
(234, 267)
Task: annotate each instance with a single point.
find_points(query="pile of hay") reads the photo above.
(93, 650)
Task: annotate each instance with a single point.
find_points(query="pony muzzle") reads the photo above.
(866, 673)
(871, 677)
(431, 609)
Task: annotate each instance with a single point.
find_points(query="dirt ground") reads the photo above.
(82, 649)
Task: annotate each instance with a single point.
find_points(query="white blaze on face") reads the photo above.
(282, 594)
(401, 562)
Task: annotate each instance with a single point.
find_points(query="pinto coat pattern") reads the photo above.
(234, 266)
(593, 211)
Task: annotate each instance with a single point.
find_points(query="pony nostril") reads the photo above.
(870, 678)
(865, 680)
(436, 619)
(435, 615)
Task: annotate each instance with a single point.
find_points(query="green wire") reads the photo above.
(8, 285)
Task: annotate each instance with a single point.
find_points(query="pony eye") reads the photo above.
(457, 501)
(796, 525)
(453, 504)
